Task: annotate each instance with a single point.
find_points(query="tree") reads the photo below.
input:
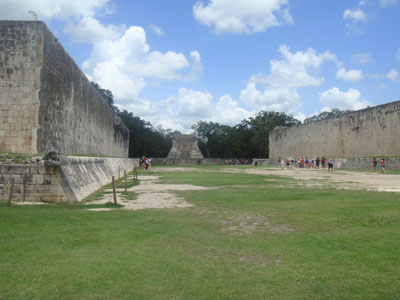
(262, 124)
(107, 95)
(326, 114)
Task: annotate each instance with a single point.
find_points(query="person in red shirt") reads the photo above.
(383, 164)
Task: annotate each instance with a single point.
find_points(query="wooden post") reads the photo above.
(114, 192)
(24, 191)
(125, 180)
(11, 191)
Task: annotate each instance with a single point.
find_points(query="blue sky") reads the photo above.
(176, 62)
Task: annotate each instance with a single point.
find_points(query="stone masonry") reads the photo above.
(185, 146)
(71, 179)
(374, 131)
(47, 103)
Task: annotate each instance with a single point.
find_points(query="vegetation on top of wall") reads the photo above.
(326, 114)
(17, 158)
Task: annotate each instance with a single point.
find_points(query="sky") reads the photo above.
(177, 62)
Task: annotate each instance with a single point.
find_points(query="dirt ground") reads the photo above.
(152, 194)
(338, 179)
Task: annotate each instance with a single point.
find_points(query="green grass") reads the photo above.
(249, 239)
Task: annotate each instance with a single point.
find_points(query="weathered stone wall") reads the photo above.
(369, 132)
(47, 103)
(20, 65)
(185, 146)
(72, 180)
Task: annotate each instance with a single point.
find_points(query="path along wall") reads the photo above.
(70, 180)
(47, 103)
(369, 132)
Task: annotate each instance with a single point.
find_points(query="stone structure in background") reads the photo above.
(369, 132)
(47, 103)
(184, 147)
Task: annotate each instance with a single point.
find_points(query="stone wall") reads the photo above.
(20, 65)
(369, 132)
(185, 147)
(47, 103)
(71, 180)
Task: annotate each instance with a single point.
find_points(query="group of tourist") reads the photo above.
(320, 163)
(308, 163)
(382, 163)
(145, 163)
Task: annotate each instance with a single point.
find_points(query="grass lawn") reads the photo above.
(251, 238)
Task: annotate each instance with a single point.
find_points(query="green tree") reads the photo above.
(106, 94)
(262, 124)
(326, 114)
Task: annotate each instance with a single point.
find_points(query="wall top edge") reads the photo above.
(347, 114)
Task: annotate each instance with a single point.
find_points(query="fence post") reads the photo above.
(24, 191)
(125, 180)
(11, 191)
(115, 194)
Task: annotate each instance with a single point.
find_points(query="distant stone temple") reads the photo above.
(185, 146)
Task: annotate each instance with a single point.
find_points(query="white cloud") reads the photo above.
(350, 75)
(157, 30)
(398, 54)
(362, 58)
(354, 15)
(50, 9)
(123, 64)
(190, 106)
(335, 98)
(242, 16)
(90, 30)
(295, 70)
(386, 3)
(393, 75)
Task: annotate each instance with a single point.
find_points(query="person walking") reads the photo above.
(374, 163)
(330, 165)
(383, 165)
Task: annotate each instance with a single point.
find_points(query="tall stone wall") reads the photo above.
(20, 64)
(47, 103)
(369, 132)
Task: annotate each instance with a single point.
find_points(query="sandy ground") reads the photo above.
(152, 194)
(337, 179)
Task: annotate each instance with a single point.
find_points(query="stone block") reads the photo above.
(37, 179)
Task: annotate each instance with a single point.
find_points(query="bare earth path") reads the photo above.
(341, 179)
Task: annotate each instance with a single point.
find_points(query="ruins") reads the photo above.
(374, 131)
(185, 147)
(47, 103)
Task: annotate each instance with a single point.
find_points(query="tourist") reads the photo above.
(374, 163)
(330, 165)
(282, 164)
(323, 160)
(317, 161)
(383, 165)
(255, 162)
